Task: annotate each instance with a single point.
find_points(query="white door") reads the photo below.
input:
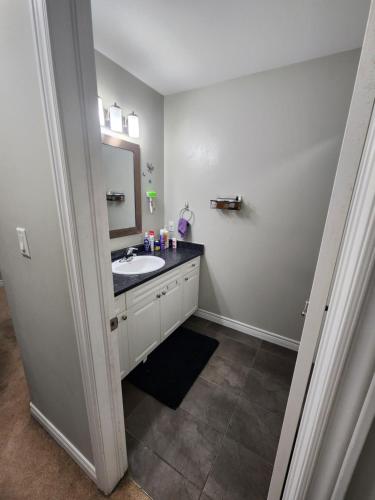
(348, 165)
(170, 307)
(123, 341)
(190, 285)
(144, 327)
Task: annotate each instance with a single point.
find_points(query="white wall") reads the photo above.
(37, 289)
(116, 84)
(273, 137)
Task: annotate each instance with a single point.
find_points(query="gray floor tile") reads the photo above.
(281, 351)
(236, 352)
(256, 428)
(266, 391)
(131, 397)
(189, 445)
(204, 497)
(210, 403)
(196, 324)
(225, 373)
(212, 332)
(278, 367)
(156, 477)
(235, 335)
(238, 474)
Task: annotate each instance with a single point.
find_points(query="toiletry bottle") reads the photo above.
(152, 241)
(157, 246)
(174, 243)
(171, 230)
(166, 237)
(146, 242)
(162, 243)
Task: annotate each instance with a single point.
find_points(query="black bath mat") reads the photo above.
(173, 367)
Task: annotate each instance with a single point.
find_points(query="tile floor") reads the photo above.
(221, 442)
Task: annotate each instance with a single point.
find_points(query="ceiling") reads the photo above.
(177, 45)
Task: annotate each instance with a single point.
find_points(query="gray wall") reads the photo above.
(37, 289)
(273, 137)
(362, 485)
(116, 84)
(347, 405)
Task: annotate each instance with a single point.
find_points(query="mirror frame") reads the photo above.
(116, 142)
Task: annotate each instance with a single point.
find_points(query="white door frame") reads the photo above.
(349, 161)
(360, 433)
(65, 59)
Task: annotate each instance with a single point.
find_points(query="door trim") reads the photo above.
(101, 381)
(355, 265)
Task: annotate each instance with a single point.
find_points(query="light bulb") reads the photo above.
(101, 112)
(133, 125)
(115, 118)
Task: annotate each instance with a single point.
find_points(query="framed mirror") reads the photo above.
(122, 173)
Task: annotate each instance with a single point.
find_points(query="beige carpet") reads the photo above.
(32, 465)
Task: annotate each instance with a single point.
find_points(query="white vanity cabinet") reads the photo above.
(170, 307)
(143, 326)
(123, 338)
(123, 343)
(152, 311)
(190, 293)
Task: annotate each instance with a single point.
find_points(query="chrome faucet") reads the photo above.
(130, 254)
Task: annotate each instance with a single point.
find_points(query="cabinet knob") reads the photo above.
(186, 279)
(164, 293)
(124, 317)
(158, 295)
(193, 265)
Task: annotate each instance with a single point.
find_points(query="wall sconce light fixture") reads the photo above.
(116, 121)
(133, 125)
(101, 112)
(115, 118)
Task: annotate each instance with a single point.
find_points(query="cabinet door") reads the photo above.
(123, 342)
(190, 289)
(144, 327)
(170, 307)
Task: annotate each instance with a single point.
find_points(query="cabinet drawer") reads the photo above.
(120, 304)
(189, 266)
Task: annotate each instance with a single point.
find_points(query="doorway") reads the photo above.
(225, 333)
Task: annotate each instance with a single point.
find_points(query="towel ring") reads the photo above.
(184, 211)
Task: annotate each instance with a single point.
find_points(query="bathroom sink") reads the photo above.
(139, 264)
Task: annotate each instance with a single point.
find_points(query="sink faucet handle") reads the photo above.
(131, 250)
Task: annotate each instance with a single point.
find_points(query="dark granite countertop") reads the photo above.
(184, 252)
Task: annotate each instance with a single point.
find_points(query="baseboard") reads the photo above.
(2, 283)
(76, 455)
(254, 331)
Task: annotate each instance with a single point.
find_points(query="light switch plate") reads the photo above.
(22, 240)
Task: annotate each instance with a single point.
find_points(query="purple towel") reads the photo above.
(183, 225)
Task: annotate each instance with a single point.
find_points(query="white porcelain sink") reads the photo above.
(140, 264)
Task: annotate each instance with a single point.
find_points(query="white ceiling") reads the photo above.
(176, 45)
